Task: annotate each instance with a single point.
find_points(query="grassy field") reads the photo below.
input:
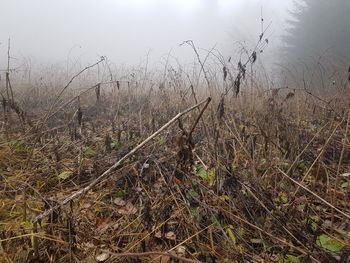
(258, 173)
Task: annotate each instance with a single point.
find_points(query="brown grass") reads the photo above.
(264, 176)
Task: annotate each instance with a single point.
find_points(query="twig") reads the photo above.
(198, 118)
(77, 75)
(71, 100)
(49, 115)
(190, 42)
(114, 166)
(152, 253)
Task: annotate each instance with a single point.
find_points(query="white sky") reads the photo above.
(125, 30)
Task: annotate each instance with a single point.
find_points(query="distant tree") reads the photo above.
(318, 28)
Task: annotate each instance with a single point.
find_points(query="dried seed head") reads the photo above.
(98, 91)
(221, 109)
(225, 72)
(254, 57)
(79, 116)
(261, 36)
(237, 84)
(241, 69)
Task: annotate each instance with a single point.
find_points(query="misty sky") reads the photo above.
(126, 30)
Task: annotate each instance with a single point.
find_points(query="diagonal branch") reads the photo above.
(118, 163)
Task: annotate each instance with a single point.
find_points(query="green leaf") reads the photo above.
(284, 197)
(65, 174)
(19, 145)
(302, 166)
(315, 218)
(230, 233)
(160, 140)
(114, 144)
(284, 164)
(314, 226)
(329, 243)
(214, 220)
(211, 176)
(88, 151)
(301, 208)
(195, 214)
(191, 194)
(120, 194)
(345, 175)
(201, 172)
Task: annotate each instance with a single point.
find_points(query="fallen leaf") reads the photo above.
(230, 233)
(158, 234)
(128, 209)
(85, 205)
(170, 235)
(88, 151)
(65, 174)
(181, 250)
(329, 243)
(201, 172)
(103, 224)
(119, 201)
(102, 257)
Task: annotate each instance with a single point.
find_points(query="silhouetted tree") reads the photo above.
(318, 29)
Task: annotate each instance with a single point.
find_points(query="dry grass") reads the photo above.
(264, 176)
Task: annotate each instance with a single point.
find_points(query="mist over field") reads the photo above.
(126, 31)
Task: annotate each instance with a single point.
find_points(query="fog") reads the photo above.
(128, 31)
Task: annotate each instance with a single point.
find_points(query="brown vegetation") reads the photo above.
(260, 175)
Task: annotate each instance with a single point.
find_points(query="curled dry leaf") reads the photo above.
(88, 245)
(85, 205)
(119, 201)
(181, 250)
(103, 224)
(102, 257)
(170, 235)
(128, 209)
(158, 234)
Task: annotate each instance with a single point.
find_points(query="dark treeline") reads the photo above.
(318, 36)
